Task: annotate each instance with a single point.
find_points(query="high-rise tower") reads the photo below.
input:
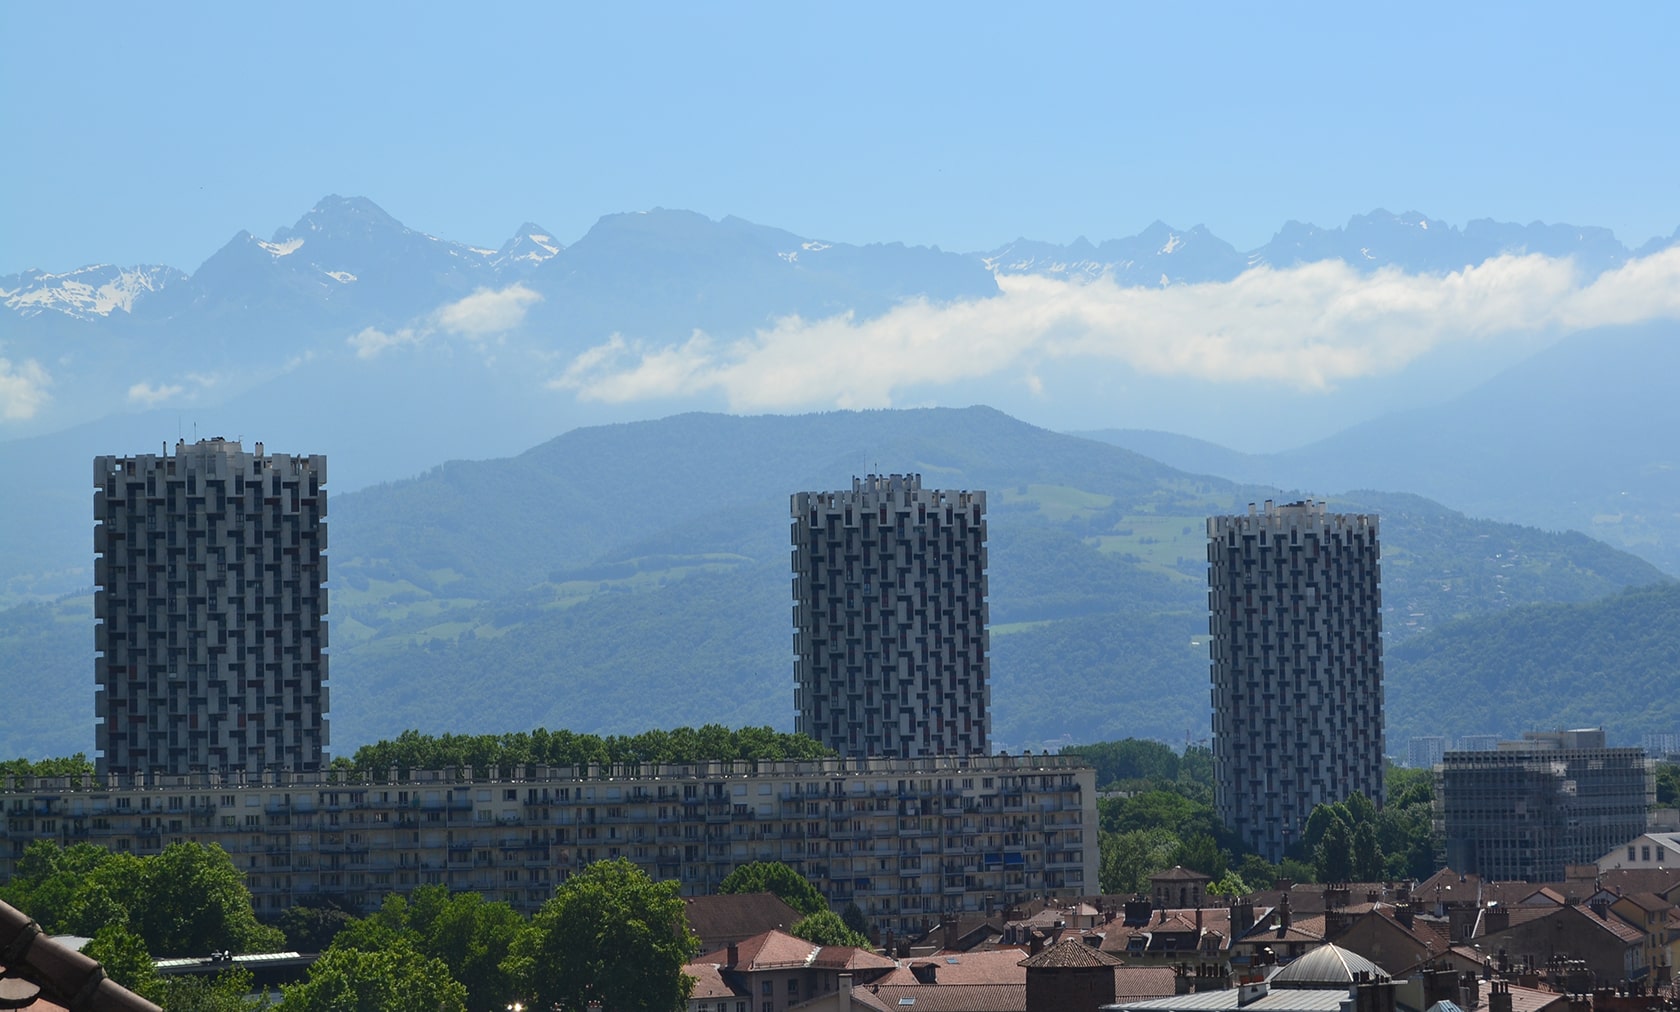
(1296, 622)
(209, 573)
(889, 590)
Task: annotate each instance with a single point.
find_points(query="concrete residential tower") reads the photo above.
(889, 590)
(211, 640)
(1295, 613)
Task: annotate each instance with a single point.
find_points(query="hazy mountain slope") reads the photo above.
(1614, 663)
(1571, 438)
(637, 574)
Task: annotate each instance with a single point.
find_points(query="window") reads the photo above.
(1645, 852)
(768, 989)
(1632, 854)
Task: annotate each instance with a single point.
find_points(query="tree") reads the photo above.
(222, 992)
(311, 927)
(123, 956)
(1128, 759)
(826, 928)
(60, 766)
(776, 877)
(1333, 857)
(1368, 865)
(46, 882)
(358, 980)
(1668, 785)
(854, 918)
(1201, 853)
(194, 901)
(1128, 859)
(1231, 884)
(611, 935)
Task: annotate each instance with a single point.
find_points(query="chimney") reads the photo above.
(1242, 917)
(846, 991)
(1470, 986)
(1497, 918)
(734, 955)
(1284, 916)
(1499, 997)
(1035, 943)
(948, 932)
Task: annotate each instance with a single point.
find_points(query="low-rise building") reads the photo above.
(905, 839)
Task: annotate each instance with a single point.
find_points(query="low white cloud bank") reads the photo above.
(23, 389)
(150, 395)
(485, 314)
(1312, 327)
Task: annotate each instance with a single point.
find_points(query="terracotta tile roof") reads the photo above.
(1179, 873)
(709, 982)
(845, 957)
(39, 974)
(1530, 999)
(1649, 902)
(771, 950)
(737, 915)
(999, 966)
(1133, 983)
(952, 997)
(1662, 881)
(1071, 953)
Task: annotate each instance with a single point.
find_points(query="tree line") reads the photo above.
(413, 750)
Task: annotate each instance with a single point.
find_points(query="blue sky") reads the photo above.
(151, 134)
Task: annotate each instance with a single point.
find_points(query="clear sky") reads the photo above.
(151, 133)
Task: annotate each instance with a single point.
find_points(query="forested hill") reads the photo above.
(1613, 662)
(635, 576)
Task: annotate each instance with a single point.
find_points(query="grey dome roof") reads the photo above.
(1326, 966)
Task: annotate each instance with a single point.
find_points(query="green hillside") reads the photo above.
(633, 576)
(1613, 662)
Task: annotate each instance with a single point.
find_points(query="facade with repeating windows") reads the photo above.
(211, 643)
(1295, 617)
(891, 647)
(906, 840)
(1528, 810)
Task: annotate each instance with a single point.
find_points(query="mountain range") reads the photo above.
(635, 575)
(390, 350)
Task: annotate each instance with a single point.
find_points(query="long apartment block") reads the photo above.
(210, 593)
(907, 840)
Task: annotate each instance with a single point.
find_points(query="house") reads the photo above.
(1649, 850)
(725, 919)
(1179, 887)
(774, 971)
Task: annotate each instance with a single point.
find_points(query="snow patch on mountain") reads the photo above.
(281, 249)
(86, 292)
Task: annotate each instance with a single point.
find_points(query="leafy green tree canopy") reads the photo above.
(611, 935)
(189, 900)
(412, 750)
(359, 980)
(62, 766)
(776, 877)
(826, 928)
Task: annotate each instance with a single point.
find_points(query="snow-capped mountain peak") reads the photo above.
(86, 292)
